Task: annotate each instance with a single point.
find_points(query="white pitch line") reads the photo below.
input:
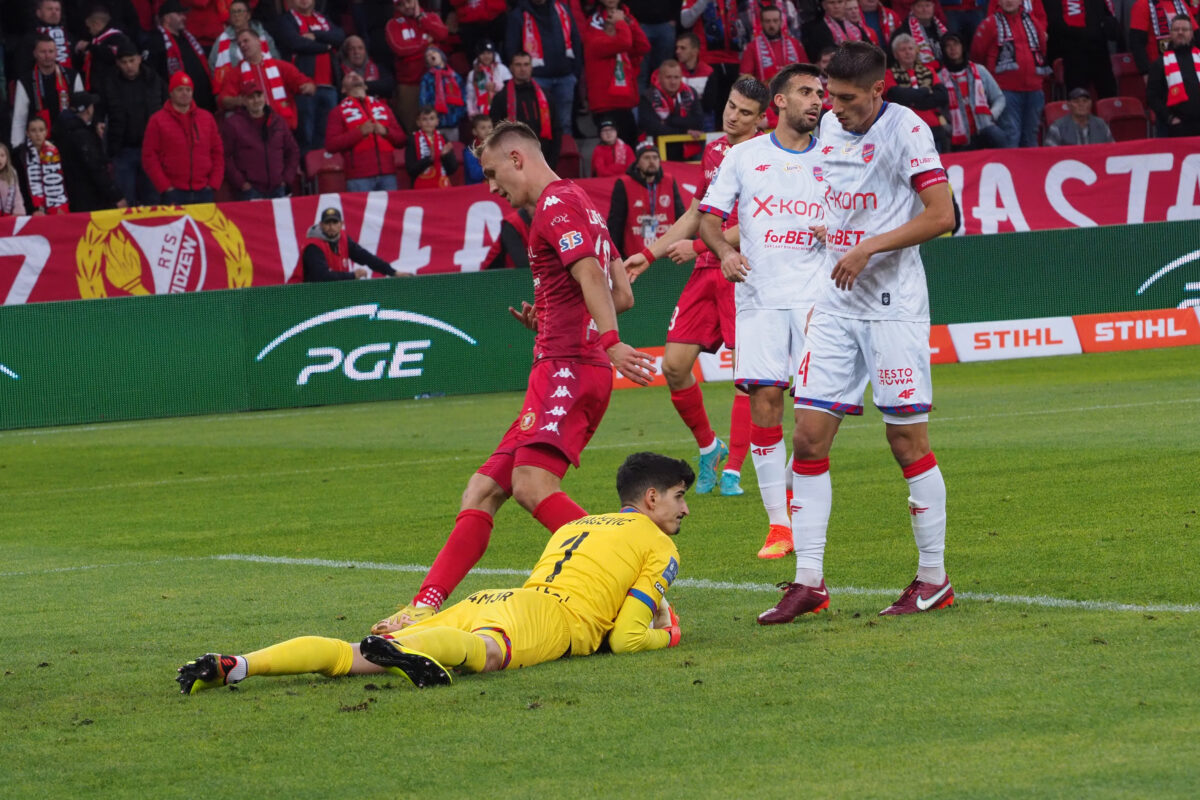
(1041, 601)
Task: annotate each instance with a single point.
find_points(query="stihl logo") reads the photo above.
(907, 394)
(1037, 337)
(1126, 329)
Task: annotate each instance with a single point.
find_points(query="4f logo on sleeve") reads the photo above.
(569, 241)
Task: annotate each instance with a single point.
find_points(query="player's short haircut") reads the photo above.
(752, 89)
(507, 129)
(642, 471)
(860, 63)
(782, 78)
(690, 37)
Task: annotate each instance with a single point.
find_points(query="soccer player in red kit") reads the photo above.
(703, 320)
(574, 314)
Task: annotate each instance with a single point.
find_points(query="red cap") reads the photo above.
(180, 78)
(251, 87)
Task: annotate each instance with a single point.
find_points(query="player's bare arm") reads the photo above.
(597, 296)
(734, 266)
(935, 219)
(621, 291)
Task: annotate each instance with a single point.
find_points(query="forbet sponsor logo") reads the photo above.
(372, 361)
(991, 341)
(774, 238)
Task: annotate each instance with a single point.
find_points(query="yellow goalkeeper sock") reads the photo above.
(450, 647)
(330, 657)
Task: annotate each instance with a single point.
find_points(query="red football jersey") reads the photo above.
(714, 154)
(566, 227)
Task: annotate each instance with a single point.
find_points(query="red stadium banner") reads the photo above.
(1149, 180)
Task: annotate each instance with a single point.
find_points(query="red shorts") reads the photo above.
(705, 313)
(564, 404)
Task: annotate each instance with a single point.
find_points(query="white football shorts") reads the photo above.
(841, 354)
(769, 342)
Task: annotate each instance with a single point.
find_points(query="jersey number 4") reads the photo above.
(572, 545)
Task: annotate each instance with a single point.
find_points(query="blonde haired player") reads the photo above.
(886, 193)
(600, 577)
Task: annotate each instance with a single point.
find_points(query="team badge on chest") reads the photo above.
(868, 153)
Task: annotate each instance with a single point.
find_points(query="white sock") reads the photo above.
(238, 673)
(812, 499)
(927, 505)
(734, 472)
(711, 446)
(770, 464)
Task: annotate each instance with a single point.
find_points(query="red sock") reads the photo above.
(557, 510)
(739, 432)
(689, 403)
(463, 549)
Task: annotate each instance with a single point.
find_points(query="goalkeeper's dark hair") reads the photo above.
(642, 471)
(754, 90)
(860, 63)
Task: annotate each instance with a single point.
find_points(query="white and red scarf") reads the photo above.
(175, 57)
(105, 34)
(765, 56)
(1006, 59)
(1075, 12)
(967, 84)
(481, 76)
(1176, 91)
(43, 171)
(848, 33)
(664, 104)
(430, 146)
(543, 106)
(268, 70)
(62, 45)
(531, 37)
(791, 18)
(62, 88)
(358, 112)
(446, 92)
(624, 64)
(313, 22)
(925, 50)
(1160, 20)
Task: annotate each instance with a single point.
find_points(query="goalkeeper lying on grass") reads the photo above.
(600, 576)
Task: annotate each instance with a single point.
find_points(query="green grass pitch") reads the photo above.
(1070, 666)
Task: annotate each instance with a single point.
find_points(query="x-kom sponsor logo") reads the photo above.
(368, 362)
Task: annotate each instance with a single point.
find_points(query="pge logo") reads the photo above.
(392, 359)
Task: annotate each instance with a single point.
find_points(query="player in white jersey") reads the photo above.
(775, 184)
(886, 193)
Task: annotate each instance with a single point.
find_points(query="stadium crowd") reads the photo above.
(134, 102)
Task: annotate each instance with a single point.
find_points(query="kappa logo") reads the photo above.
(565, 372)
(550, 426)
(907, 394)
(562, 391)
(762, 168)
(569, 241)
(394, 359)
(557, 411)
(638, 204)
(552, 200)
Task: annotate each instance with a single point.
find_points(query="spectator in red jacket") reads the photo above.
(207, 19)
(615, 46)
(408, 34)
(670, 107)
(479, 20)
(697, 75)
(182, 151)
(261, 155)
(721, 35)
(1011, 43)
(612, 157)
(363, 129)
(280, 81)
(772, 49)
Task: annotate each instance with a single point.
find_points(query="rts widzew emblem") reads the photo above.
(160, 250)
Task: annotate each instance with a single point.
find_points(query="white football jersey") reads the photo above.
(777, 196)
(868, 191)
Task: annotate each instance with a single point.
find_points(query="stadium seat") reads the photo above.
(402, 179)
(326, 171)
(570, 164)
(1054, 85)
(1126, 117)
(1129, 80)
(1055, 111)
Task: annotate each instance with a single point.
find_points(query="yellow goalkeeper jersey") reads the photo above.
(606, 567)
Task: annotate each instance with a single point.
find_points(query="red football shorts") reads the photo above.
(706, 313)
(564, 403)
